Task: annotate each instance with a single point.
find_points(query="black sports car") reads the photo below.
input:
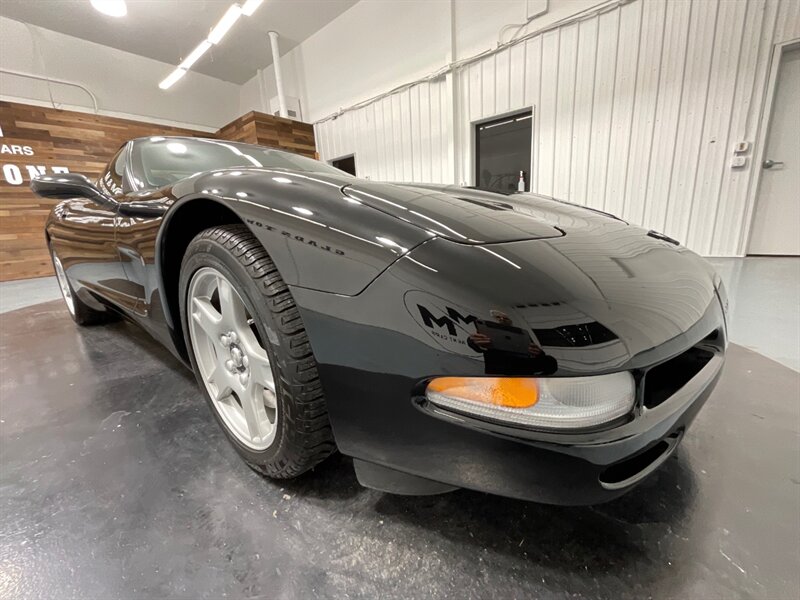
(443, 337)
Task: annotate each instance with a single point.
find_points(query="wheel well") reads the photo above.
(184, 224)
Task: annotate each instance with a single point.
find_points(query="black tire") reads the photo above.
(303, 436)
(80, 311)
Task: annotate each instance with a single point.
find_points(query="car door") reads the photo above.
(83, 236)
(141, 214)
(136, 242)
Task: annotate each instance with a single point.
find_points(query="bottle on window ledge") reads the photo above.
(521, 182)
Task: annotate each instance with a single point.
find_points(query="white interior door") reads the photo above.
(776, 222)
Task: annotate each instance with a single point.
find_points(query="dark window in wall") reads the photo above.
(346, 163)
(502, 151)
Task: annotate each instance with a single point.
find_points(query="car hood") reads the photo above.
(471, 216)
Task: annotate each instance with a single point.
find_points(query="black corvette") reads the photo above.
(442, 337)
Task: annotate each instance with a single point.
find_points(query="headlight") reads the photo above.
(549, 403)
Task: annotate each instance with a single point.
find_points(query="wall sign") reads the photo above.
(37, 140)
(15, 173)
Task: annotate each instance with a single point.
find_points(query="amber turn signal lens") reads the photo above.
(510, 392)
(557, 403)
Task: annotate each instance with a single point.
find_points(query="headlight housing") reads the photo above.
(558, 403)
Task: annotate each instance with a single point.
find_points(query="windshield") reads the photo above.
(160, 161)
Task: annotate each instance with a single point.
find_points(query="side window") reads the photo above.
(111, 181)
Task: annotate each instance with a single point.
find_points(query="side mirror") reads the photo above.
(68, 185)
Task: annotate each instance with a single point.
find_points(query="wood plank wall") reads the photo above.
(276, 132)
(35, 138)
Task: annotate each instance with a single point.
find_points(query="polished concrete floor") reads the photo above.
(27, 292)
(116, 483)
(765, 296)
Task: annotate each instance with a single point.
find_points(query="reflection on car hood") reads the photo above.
(470, 216)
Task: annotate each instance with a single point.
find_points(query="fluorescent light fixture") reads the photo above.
(282, 179)
(249, 7)
(195, 54)
(302, 211)
(214, 37)
(225, 23)
(112, 8)
(172, 78)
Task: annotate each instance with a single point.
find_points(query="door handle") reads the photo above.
(768, 164)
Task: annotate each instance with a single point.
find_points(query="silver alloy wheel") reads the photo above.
(63, 283)
(231, 358)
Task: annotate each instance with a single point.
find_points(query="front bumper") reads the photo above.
(554, 468)
(433, 450)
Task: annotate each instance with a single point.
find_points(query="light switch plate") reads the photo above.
(738, 162)
(741, 147)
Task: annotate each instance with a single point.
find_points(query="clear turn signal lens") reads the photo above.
(559, 403)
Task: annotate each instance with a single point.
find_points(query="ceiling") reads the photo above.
(168, 30)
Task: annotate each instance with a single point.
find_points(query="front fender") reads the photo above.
(318, 238)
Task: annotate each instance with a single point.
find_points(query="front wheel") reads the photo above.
(251, 355)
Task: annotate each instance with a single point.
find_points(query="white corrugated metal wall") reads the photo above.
(636, 112)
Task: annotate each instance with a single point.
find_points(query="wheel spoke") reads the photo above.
(260, 369)
(249, 340)
(254, 412)
(233, 311)
(204, 313)
(220, 379)
(270, 400)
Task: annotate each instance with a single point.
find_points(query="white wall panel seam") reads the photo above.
(538, 130)
(724, 168)
(573, 104)
(755, 126)
(611, 112)
(754, 117)
(692, 198)
(591, 111)
(555, 115)
(756, 21)
(662, 225)
(655, 114)
(637, 186)
(632, 113)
